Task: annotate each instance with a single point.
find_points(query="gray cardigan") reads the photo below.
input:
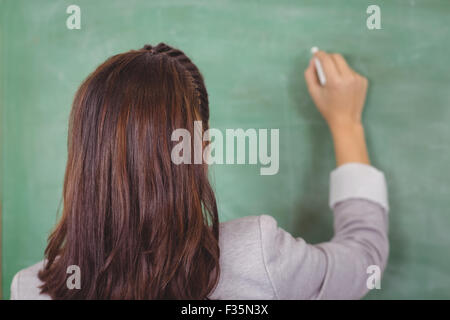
(259, 260)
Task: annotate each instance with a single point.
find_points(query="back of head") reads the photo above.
(137, 225)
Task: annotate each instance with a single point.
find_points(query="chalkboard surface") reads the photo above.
(252, 54)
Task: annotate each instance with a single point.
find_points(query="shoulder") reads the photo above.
(249, 223)
(240, 234)
(25, 284)
(260, 260)
(243, 273)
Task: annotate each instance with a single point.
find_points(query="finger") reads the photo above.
(328, 64)
(341, 64)
(311, 78)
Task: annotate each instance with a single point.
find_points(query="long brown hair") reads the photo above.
(137, 225)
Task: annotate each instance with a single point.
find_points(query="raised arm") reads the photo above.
(340, 102)
(339, 268)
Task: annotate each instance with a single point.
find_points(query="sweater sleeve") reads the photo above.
(340, 268)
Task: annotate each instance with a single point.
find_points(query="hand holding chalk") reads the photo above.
(341, 103)
(342, 99)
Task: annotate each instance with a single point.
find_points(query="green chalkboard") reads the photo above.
(252, 54)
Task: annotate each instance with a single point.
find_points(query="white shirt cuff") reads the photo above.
(358, 181)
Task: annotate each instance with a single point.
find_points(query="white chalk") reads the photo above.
(319, 69)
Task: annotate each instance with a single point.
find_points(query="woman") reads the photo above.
(139, 226)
